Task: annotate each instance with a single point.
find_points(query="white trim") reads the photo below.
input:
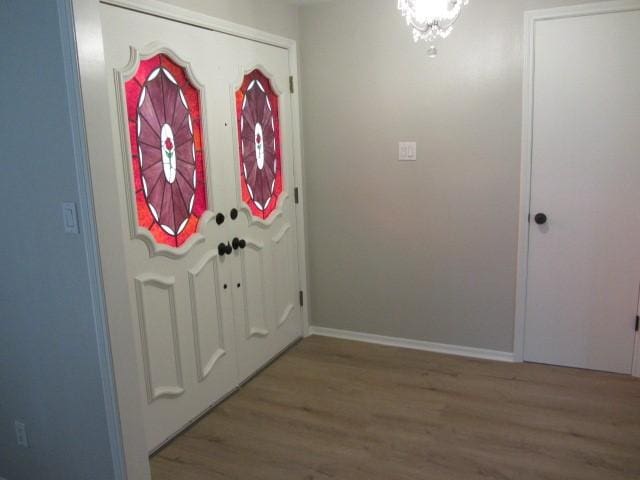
(301, 233)
(90, 234)
(530, 20)
(93, 85)
(445, 348)
(183, 15)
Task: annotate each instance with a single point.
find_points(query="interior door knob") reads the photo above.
(540, 218)
(222, 249)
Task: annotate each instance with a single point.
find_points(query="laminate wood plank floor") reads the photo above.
(336, 409)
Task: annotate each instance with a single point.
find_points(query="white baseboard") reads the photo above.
(414, 344)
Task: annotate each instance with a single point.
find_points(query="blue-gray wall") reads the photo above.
(49, 370)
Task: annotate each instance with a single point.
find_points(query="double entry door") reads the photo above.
(204, 126)
(583, 280)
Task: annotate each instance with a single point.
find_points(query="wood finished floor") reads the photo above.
(335, 409)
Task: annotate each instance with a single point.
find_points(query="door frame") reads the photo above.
(531, 18)
(91, 81)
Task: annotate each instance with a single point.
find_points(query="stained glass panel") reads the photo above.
(163, 111)
(259, 144)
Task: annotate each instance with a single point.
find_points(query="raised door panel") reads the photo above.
(253, 294)
(253, 326)
(207, 314)
(159, 336)
(284, 291)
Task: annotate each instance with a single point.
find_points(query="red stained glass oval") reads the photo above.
(259, 144)
(163, 108)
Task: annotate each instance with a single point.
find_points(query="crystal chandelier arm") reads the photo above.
(431, 19)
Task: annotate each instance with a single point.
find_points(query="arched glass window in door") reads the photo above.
(163, 110)
(259, 144)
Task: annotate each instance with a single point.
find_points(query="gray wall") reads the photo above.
(49, 371)
(423, 250)
(274, 16)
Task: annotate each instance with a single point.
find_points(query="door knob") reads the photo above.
(228, 249)
(540, 218)
(222, 249)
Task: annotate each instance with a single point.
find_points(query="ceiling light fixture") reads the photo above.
(431, 19)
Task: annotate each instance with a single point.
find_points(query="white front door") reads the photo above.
(214, 292)
(584, 259)
(267, 309)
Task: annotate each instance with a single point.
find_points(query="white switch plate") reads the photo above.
(21, 434)
(407, 151)
(70, 218)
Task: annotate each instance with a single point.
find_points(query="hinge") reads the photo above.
(295, 195)
(291, 83)
(301, 298)
(637, 322)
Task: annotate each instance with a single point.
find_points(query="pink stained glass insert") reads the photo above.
(259, 144)
(163, 110)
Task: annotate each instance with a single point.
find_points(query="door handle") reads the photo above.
(540, 218)
(238, 243)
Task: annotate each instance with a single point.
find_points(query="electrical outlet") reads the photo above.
(21, 434)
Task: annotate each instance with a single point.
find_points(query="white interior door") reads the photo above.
(584, 262)
(206, 317)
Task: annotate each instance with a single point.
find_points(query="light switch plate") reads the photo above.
(21, 434)
(70, 218)
(407, 151)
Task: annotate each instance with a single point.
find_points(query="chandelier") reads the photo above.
(431, 19)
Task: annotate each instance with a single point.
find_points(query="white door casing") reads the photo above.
(193, 306)
(579, 274)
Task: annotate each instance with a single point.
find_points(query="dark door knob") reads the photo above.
(235, 243)
(540, 218)
(222, 249)
(242, 243)
(228, 249)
